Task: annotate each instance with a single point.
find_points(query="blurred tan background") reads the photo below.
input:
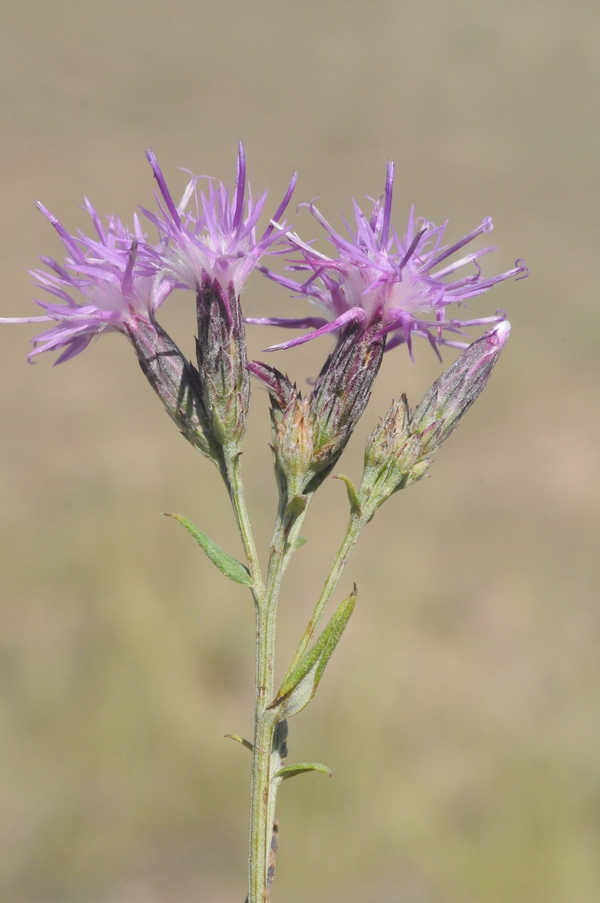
(462, 716)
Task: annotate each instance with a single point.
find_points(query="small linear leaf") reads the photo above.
(353, 498)
(291, 771)
(229, 566)
(300, 685)
(300, 542)
(241, 740)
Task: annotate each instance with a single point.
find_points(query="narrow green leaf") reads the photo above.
(300, 542)
(241, 740)
(229, 566)
(290, 771)
(353, 498)
(300, 685)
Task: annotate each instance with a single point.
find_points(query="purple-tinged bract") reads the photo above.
(407, 282)
(311, 432)
(113, 275)
(398, 451)
(215, 238)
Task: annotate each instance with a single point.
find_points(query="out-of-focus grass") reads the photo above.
(460, 715)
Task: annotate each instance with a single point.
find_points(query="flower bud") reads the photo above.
(398, 450)
(175, 381)
(310, 433)
(292, 429)
(222, 361)
(453, 393)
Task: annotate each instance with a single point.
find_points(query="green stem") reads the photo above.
(283, 545)
(285, 535)
(264, 720)
(355, 527)
(235, 486)
(263, 786)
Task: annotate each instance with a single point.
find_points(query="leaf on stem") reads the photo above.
(229, 566)
(241, 740)
(291, 771)
(300, 685)
(296, 506)
(353, 498)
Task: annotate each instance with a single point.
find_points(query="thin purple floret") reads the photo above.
(375, 274)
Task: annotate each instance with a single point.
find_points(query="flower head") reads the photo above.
(112, 274)
(407, 282)
(215, 238)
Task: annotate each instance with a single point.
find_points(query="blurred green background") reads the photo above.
(461, 717)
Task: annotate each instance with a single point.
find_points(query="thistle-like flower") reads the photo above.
(113, 274)
(212, 250)
(215, 239)
(405, 282)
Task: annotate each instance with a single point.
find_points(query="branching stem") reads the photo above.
(355, 527)
(265, 759)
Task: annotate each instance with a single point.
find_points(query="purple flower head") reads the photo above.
(113, 274)
(407, 282)
(215, 238)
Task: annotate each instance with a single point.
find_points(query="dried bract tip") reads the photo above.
(280, 388)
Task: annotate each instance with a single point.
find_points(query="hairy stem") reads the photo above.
(235, 486)
(265, 758)
(283, 544)
(264, 721)
(355, 527)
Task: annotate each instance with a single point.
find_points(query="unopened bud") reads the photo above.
(292, 429)
(222, 361)
(310, 433)
(454, 392)
(398, 450)
(176, 382)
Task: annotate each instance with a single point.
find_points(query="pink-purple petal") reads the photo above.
(219, 238)
(350, 316)
(300, 323)
(386, 276)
